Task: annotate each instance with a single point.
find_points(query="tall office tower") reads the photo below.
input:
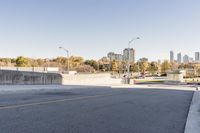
(197, 56)
(186, 59)
(118, 57)
(171, 56)
(179, 58)
(126, 55)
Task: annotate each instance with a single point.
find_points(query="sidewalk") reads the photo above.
(172, 87)
(193, 120)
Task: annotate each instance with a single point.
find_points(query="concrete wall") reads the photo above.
(32, 69)
(8, 77)
(11, 77)
(89, 79)
(175, 77)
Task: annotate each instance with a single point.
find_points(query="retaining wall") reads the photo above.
(9, 77)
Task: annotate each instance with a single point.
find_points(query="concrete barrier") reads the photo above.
(32, 69)
(9, 77)
(13, 77)
(89, 79)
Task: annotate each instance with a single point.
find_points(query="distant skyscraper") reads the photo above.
(197, 56)
(186, 59)
(126, 55)
(144, 59)
(112, 56)
(171, 56)
(191, 59)
(179, 58)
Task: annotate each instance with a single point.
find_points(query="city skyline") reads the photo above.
(123, 56)
(172, 56)
(184, 58)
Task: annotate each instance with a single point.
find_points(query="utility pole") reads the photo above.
(129, 56)
(67, 51)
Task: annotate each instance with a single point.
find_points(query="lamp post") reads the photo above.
(67, 57)
(129, 56)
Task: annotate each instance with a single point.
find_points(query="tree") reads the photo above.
(61, 62)
(165, 66)
(181, 66)
(13, 60)
(6, 61)
(198, 72)
(75, 61)
(40, 62)
(92, 63)
(135, 67)
(143, 66)
(104, 64)
(85, 68)
(114, 66)
(174, 65)
(153, 68)
(22, 62)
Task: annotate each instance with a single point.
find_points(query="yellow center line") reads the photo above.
(54, 101)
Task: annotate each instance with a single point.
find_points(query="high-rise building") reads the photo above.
(191, 60)
(126, 55)
(112, 56)
(197, 56)
(179, 58)
(171, 56)
(144, 59)
(119, 57)
(186, 59)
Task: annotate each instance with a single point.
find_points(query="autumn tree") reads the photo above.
(92, 63)
(153, 68)
(143, 66)
(114, 66)
(85, 68)
(6, 60)
(75, 61)
(104, 64)
(198, 72)
(135, 67)
(22, 62)
(165, 66)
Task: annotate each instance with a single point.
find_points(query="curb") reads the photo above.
(193, 119)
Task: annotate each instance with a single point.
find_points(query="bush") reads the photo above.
(85, 68)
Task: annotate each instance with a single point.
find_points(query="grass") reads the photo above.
(138, 81)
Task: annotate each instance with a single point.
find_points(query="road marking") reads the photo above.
(56, 101)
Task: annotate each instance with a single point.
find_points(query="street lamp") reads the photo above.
(67, 57)
(128, 69)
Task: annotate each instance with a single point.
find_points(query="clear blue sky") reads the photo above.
(92, 28)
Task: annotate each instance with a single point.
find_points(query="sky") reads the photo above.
(92, 28)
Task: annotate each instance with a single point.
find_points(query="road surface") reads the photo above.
(95, 110)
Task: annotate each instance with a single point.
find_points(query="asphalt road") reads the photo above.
(95, 110)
